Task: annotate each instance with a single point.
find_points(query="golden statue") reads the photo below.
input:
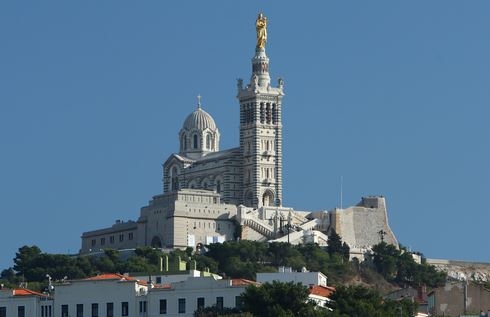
(261, 27)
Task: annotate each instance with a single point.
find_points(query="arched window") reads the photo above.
(267, 199)
(262, 113)
(174, 179)
(268, 114)
(248, 201)
(218, 186)
(194, 144)
(156, 242)
(274, 114)
(208, 141)
(183, 142)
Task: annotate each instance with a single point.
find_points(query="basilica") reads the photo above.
(212, 195)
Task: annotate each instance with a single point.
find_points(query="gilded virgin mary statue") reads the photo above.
(261, 27)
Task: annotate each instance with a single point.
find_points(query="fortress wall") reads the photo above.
(359, 226)
(367, 225)
(344, 225)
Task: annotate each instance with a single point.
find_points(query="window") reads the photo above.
(21, 311)
(163, 306)
(219, 302)
(183, 143)
(121, 237)
(124, 308)
(218, 188)
(93, 242)
(46, 311)
(64, 310)
(239, 302)
(181, 305)
(159, 280)
(130, 236)
(111, 239)
(110, 310)
(102, 241)
(208, 141)
(200, 302)
(194, 145)
(79, 310)
(3, 311)
(95, 310)
(143, 307)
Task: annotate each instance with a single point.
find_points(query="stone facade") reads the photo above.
(363, 225)
(212, 195)
(457, 298)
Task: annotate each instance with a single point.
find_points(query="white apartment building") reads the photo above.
(114, 295)
(111, 295)
(185, 297)
(25, 303)
(315, 281)
(286, 274)
(106, 295)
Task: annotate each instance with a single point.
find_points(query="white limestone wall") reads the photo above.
(360, 226)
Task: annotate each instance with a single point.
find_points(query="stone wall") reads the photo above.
(457, 298)
(363, 225)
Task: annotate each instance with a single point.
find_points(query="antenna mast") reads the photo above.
(341, 191)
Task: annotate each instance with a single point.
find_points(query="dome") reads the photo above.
(199, 120)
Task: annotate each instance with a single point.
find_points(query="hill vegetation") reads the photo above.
(358, 283)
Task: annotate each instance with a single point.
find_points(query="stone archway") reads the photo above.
(156, 242)
(268, 198)
(248, 199)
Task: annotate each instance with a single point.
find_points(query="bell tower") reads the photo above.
(261, 129)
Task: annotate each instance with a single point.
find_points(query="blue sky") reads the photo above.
(392, 96)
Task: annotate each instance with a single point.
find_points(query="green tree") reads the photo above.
(213, 311)
(385, 259)
(359, 301)
(279, 299)
(284, 254)
(25, 257)
(335, 246)
(398, 265)
(206, 263)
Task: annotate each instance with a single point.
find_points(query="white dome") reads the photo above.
(199, 120)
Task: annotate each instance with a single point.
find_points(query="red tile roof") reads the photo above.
(114, 276)
(324, 291)
(163, 286)
(110, 276)
(242, 282)
(26, 292)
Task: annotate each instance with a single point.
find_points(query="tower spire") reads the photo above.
(260, 62)
(261, 129)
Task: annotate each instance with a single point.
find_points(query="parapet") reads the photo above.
(372, 202)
